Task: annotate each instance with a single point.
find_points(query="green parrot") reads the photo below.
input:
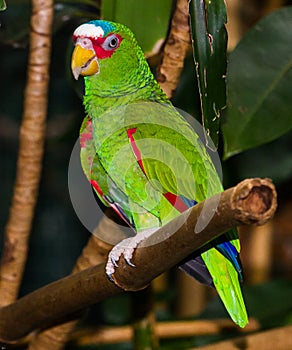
(142, 157)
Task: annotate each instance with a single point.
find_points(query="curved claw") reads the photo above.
(110, 277)
(125, 248)
(114, 261)
(128, 261)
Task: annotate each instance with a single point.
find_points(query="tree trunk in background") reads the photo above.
(30, 155)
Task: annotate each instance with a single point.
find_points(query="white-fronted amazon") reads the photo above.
(141, 156)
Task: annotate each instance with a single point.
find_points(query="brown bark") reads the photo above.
(187, 288)
(176, 47)
(252, 201)
(257, 252)
(30, 155)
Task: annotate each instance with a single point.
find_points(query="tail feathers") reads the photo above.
(195, 267)
(225, 279)
(228, 250)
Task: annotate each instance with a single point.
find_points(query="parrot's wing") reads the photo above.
(170, 153)
(155, 158)
(88, 157)
(105, 187)
(114, 151)
(101, 182)
(176, 161)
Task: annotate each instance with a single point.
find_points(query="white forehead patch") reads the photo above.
(89, 30)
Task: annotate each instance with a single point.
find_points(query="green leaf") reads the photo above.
(147, 19)
(259, 84)
(2, 5)
(256, 162)
(209, 38)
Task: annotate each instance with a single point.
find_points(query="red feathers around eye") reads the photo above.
(105, 47)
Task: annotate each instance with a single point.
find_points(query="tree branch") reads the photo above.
(30, 155)
(94, 253)
(252, 201)
(176, 47)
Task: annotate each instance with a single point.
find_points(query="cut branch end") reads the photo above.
(255, 200)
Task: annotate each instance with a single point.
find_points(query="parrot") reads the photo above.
(143, 159)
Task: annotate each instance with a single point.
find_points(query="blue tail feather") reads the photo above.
(188, 202)
(228, 250)
(194, 267)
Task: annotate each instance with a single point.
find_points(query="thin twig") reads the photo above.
(30, 155)
(252, 201)
(279, 338)
(175, 329)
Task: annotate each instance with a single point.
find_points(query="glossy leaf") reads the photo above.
(259, 85)
(147, 19)
(209, 40)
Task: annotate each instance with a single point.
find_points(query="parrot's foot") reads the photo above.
(126, 247)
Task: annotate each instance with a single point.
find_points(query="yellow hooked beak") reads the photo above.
(84, 62)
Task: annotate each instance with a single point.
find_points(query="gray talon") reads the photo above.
(128, 261)
(110, 277)
(125, 248)
(114, 262)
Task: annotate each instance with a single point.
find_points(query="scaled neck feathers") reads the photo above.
(102, 93)
(100, 97)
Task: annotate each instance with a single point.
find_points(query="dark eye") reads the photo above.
(111, 42)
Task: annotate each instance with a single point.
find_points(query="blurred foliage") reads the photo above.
(153, 14)
(269, 303)
(58, 237)
(272, 160)
(259, 85)
(2, 5)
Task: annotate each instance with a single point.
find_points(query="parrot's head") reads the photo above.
(106, 51)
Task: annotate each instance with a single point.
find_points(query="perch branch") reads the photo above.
(30, 155)
(94, 253)
(252, 201)
(175, 49)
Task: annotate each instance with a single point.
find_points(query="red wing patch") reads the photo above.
(173, 199)
(95, 185)
(86, 136)
(135, 149)
(176, 201)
